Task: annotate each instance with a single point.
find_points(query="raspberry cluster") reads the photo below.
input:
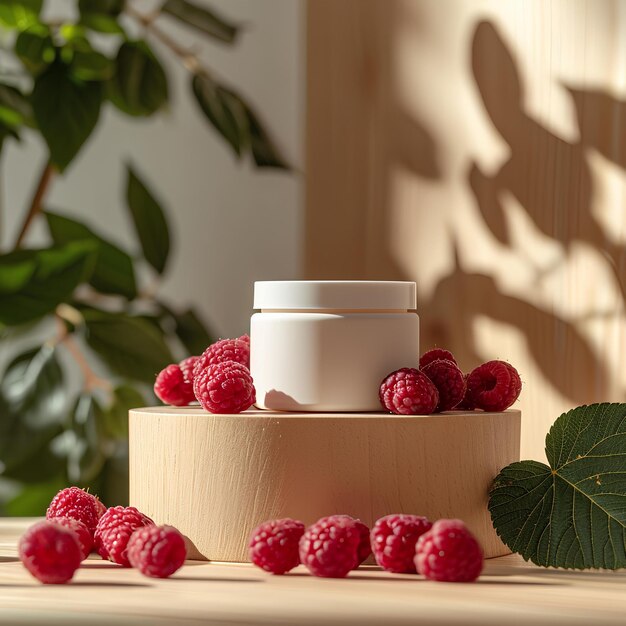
(337, 544)
(219, 379)
(440, 385)
(76, 521)
(330, 548)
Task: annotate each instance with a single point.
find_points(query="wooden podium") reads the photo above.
(216, 477)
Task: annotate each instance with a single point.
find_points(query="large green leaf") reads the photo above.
(222, 110)
(19, 13)
(113, 270)
(115, 419)
(85, 457)
(236, 121)
(192, 332)
(101, 15)
(112, 483)
(66, 111)
(15, 108)
(130, 346)
(149, 220)
(35, 48)
(33, 403)
(34, 282)
(33, 500)
(572, 513)
(86, 63)
(201, 18)
(264, 151)
(139, 86)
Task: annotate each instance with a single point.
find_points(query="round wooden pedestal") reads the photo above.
(215, 477)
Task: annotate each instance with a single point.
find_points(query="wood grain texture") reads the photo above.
(216, 477)
(478, 148)
(509, 592)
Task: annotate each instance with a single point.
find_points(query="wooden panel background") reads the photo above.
(479, 148)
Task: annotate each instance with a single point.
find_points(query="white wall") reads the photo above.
(231, 224)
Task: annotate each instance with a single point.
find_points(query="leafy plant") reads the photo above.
(80, 304)
(572, 513)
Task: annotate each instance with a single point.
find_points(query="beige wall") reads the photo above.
(232, 224)
(479, 148)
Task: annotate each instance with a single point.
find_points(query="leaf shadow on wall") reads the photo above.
(552, 182)
(550, 177)
(461, 297)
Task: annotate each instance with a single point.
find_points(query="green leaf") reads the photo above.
(85, 457)
(33, 500)
(264, 150)
(33, 402)
(112, 483)
(125, 398)
(572, 513)
(149, 220)
(15, 108)
(139, 86)
(34, 282)
(222, 110)
(236, 121)
(192, 332)
(66, 111)
(19, 13)
(105, 7)
(91, 65)
(35, 48)
(101, 15)
(113, 271)
(201, 18)
(130, 346)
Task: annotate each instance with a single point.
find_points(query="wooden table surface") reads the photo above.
(509, 593)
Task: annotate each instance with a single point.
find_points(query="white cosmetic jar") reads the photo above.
(327, 345)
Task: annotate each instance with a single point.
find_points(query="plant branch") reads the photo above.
(36, 203)
(187, 56)
(90, 379)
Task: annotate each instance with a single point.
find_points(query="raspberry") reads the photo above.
(393, 541)
(171, 387)
(224, 350)
(467, 404)
(450, 383)
(493, 386)
(245, 338)
(101, 508)
(224, 388)
(77, 504)
(50, 552)
(157, 551)
(436, 354)
(186, 367)
(330, 547)
(449, 552)
(85, 538)
(274, 545)
(114, 530)
(408, 391)
(365, 549)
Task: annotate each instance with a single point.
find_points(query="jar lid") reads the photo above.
(335, 294)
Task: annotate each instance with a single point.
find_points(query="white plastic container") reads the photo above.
(327, 345)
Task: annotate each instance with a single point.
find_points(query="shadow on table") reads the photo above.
(410, 578)
(540, 572)
(218, 579)
(86, 583)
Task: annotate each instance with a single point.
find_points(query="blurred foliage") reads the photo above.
(108, 327)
